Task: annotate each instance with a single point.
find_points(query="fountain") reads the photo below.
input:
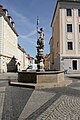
(41, 78)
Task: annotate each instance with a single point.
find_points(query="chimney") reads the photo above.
(10, 18)
(5, 11)
(12, 23)
(1, 7)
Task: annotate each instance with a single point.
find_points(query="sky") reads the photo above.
(24, 13)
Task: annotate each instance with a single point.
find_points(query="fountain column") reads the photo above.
(40, 48)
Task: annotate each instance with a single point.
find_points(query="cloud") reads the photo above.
(32, 33)
(29, 40)
(25, 25)
(20, 16)
(23, 20)
(28, 37)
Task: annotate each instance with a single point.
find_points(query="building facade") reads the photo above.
(47, 62)
(8, 41)
(24, 60)
(65, 41)
(21, 56)
(31, 61)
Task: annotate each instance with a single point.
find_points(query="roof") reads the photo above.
(46, 56)
(2, 12)
(29, 57)
(22, 49)
(78, 1)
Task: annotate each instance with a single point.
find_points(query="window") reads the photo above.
(79, 12)
(69, 12)
(69, 27)
(79, 28)
(70, 46)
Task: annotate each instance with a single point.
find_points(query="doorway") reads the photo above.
(74, 62)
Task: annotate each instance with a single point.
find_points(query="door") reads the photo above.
(74, 64)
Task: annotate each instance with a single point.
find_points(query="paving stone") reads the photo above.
(66, 111)
(62, 104)
(37, 99)
(2, 96)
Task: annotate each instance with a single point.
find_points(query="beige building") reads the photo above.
(8, 41)
(47, 62)
(65, 41)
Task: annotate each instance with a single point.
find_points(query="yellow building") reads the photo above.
(65, 42)
(8, 40)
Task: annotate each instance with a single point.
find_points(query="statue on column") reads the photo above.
(40, 48)
(41, 38)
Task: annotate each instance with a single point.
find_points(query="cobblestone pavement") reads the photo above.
(65, 108)
(18, 103)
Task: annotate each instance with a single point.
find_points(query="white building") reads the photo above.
(22, 59)
(31, 63)
(8, 41)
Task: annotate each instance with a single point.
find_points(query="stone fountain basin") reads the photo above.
(45, 79)
(41, 77)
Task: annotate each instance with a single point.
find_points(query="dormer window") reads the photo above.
(10, 18)
(5, 11)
